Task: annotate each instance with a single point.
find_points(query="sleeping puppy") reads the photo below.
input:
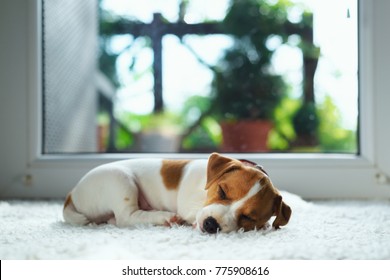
(220, 194)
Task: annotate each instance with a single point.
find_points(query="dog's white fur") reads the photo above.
(104, 189)
(134, 192)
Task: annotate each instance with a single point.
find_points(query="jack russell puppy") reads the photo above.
(220, 194)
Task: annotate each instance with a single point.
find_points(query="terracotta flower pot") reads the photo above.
(245, 135)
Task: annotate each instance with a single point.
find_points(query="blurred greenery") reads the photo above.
(244, 86)
(123, 139)
(204, 132)
(333, 137)
(305, 120)
(283, 133)
(107, 58)
(250, 89)
(166, 121)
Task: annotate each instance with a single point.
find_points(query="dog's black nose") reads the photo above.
(210, 225)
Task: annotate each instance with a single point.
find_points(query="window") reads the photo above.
(240, 76)
(30, 171)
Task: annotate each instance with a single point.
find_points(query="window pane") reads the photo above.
(231, 76)
(69, 67)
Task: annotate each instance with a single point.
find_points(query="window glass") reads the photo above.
(230, 76)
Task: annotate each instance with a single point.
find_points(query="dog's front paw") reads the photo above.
(175, 220)
(266, 226)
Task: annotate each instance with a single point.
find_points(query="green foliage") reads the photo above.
(167, 122)
(283, 133)
(246, 92)
(256, 19)
(123, 139)
(333, 137)
(206, 132)
(331, 134)
(206, 136)
(306, 120)
(194, 107)
(244, 86)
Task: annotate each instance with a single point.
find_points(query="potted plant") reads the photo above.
(246, 91)
(154, 132)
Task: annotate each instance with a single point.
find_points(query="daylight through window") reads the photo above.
(197, 76)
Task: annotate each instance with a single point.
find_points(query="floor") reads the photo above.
(317, 230)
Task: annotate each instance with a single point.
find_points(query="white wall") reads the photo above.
(13, 90)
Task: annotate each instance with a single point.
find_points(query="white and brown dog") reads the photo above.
(220, 194)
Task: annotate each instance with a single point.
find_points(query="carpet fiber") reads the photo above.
(317, 230)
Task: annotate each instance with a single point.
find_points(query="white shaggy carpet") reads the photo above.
(317, 230)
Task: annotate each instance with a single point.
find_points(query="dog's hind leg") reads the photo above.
(132, 208)
(71, 215)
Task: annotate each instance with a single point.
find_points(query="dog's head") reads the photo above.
(239, 195)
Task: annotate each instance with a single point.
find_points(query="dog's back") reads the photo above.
(141, 184)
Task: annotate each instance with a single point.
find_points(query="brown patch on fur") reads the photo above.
(171, 172)
(259, 208)
(230, 175)
(219, 165)
(282, 213)
(235, 184)
(127, 199)
(68, 201)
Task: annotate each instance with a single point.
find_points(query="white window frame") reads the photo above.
(312, 176)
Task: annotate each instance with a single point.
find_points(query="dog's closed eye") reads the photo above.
(244, 217)
(221, 193)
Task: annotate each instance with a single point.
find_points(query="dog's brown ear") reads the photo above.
(218, 165)
(282, 212)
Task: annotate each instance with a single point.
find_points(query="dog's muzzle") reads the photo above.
(210, 225)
